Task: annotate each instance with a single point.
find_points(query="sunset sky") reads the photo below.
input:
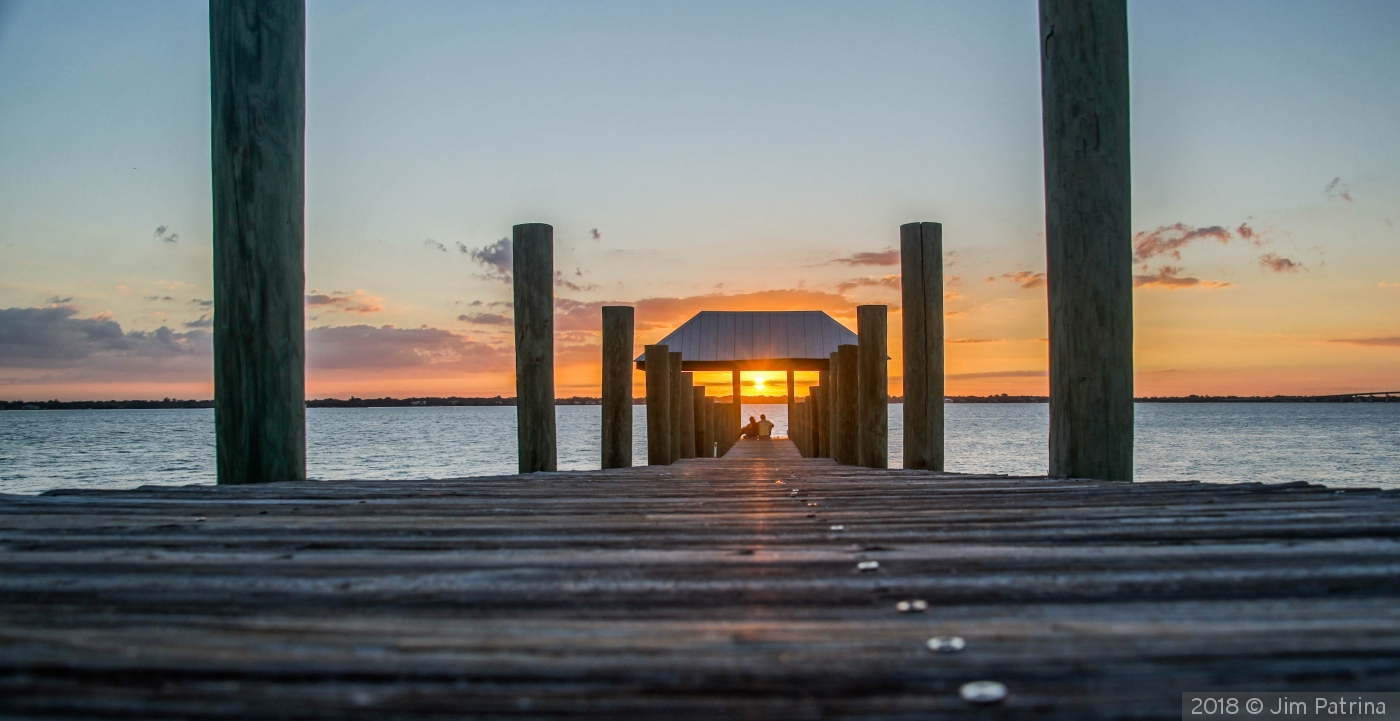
(701, 156)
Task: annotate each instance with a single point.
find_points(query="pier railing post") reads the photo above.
(738, 409)
(532, 272)
(618, 324)
(921, 260)
(658, 370)
(819, 425)
(847, 406)
(1088, 236)
(873, 401)
(258, 91)
(791, 397)
(688, 415)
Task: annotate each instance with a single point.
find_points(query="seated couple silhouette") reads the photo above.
(762, 428)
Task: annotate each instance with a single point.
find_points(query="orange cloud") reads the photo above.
(1168, 277)
(976, 340)
(887, 281)
(667, 313)
(384, 347)
(356, 302)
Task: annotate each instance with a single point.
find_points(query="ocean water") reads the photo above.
(1344, 445)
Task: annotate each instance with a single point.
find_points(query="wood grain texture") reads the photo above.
(921, 261)
(1088, 236)
(873, 395)
(847, 406)
(658, 405)
(532, 280)
(819, 393)
(833, 398)
(737, 389)
(704, 589)
(618, 325)
(257, 62)
(704, 432)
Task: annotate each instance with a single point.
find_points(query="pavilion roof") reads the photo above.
(757, 340)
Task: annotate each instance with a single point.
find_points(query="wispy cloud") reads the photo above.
(661, 314)
(594, 234)
(1279, 264)
(55, 300)
(1338, 189)
(1024, 278)
(204, 322)
(975, 340)
(388, 347)
(43, 337)
(434, 244)
(202, 303)
(1002, 374)
(1169, 277)
(355, 302)
(1389, 341)
(484, 319)
(563, 282)
(888, 256)
(495, 258)
(886, 281)
(163, 233)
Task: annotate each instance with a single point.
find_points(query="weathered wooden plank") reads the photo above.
(257, 64)
(1088, 236)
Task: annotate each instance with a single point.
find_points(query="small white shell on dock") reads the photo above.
(838, 528)
(868, 565)
(918, 605)
(982, 691)
(946, 644)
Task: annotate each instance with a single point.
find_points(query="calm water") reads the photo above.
(1340, 444)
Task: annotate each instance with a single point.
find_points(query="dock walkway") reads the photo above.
(712, 588)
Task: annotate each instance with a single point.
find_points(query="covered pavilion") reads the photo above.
(761, 340)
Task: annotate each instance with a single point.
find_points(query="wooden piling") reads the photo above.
(921, 260)
(833, 404)
(1088, 236)
(618, 322)
(677, 405)
(688, 415)
(738, 409)
(791, 396)
(532, 273)
(848, 405)
(257, 54)
(819, 426)
(704, 433)
(658, 370)
(873, 398)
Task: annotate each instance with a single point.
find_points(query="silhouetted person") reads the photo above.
(765, 427)
(751, 430)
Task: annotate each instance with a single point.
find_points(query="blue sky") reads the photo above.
(719, 149)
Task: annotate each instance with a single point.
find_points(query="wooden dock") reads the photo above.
(709, 589)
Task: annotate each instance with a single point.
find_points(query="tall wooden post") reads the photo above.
(833, 400)
(658, 370)
(873, 402)
(1088, 236)
(257, 68)
(677, 406)
(532, 271)
(819, 430)
(921, 260)
(688, 415)
(618, 322)
(702, 423)
(848, 405)
(738, 408)
(791, 397)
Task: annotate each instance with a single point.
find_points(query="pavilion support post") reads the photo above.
(921, 258)
(703, 406)
(819, 417)
(873, 398)
(848, 405)
(677, 405)
(658, 370)
(618, 323)
(735, 378)
(688, 415)
(257, 63)
(532, 274)
(1088, 236)
(833, 405)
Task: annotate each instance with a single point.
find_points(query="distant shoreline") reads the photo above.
(353, 402)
